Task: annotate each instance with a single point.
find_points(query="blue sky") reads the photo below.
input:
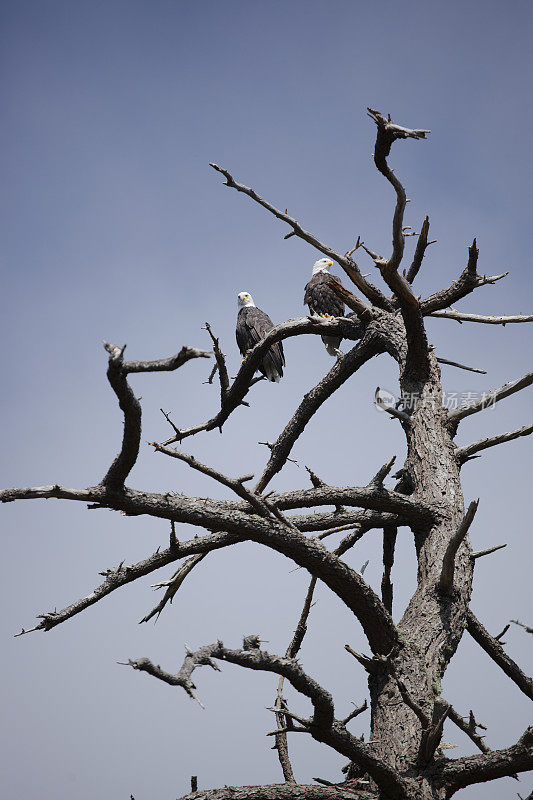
(114, 227)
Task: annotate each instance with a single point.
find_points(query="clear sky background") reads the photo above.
(114, 227)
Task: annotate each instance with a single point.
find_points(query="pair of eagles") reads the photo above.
(253, 324)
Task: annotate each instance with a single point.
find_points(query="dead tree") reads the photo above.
(407, 661)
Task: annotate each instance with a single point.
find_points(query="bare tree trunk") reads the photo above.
(407, 661)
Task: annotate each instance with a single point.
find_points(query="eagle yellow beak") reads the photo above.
(330, 263)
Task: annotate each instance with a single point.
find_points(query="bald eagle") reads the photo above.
(252, 326)
(323, 301)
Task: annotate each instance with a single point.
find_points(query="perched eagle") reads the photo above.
(323, 301)
(252, 326)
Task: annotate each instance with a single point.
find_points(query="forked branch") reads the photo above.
(172, 585)
(117, 375)
(470, 728)
(464, 285)
(387, 133)
(322, 726)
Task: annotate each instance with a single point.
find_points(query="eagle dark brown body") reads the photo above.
(252, 326)
(322, 300)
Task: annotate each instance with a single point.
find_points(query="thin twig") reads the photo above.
(525, 627)
(487, 552)
(461, 366)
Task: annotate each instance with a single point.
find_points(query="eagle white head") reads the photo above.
(322, 265)
(245, 300)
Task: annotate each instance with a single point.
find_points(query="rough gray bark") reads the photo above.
(407, 660)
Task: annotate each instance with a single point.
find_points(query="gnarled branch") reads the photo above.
(387, 132)
(323, 726)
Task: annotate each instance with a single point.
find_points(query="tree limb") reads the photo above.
(494, 649)
(369, 497)
(487, 552)
(421, 247)
(445, 583)
(349, 328)
(217, 516)
(301, 628)
(488, 399)
(361, 309)
(387, 132)
(461, 772)
(321, 522)
(117, 375)
(260, 505)
(346, 262)
(464, 285)
(130, 406)
(459, 316)
(521, 624)
(173, 584)
(464, 453)
(389, 541)
(165, 364)
(291, 652)
(468, 728)
(432, 735)
(344, 368)
(221, 364)
(281, 791)
(323, 726)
